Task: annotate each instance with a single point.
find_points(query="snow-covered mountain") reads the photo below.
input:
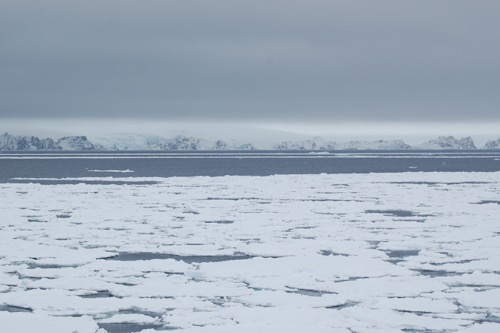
(492, 144)
(448, 142)
(375, 145)
(127, 141)
(77, 143)
(316, 143)
(18, 142)
(321, 144)
(31, 143)
(182, 142)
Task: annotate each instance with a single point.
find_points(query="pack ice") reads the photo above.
(405, 252)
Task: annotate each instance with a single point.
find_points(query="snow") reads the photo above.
(319, 143)
(30, 323)
(492, 144)
(325, 253)
(184, 141)
(448, 142)
(111, 171)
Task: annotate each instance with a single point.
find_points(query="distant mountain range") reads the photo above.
(18, 142)
(10, 142)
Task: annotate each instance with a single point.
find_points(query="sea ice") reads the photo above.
(404, 252)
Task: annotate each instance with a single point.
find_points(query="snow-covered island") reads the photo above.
(9, 142)
(30, 143)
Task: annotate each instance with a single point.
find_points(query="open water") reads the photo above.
(28, 166)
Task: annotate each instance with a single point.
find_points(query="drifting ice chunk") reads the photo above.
(29, 323)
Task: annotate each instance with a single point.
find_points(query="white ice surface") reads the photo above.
(110, 170)
(406, 252)
(32, 323)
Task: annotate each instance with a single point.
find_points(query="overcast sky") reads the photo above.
(267, 62)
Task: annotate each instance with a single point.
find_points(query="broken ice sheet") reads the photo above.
(308, 253)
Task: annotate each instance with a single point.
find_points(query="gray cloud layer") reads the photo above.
(252, 60)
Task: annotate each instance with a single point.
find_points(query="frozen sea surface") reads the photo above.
(386, 252)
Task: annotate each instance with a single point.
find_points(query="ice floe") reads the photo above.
(405, 252)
